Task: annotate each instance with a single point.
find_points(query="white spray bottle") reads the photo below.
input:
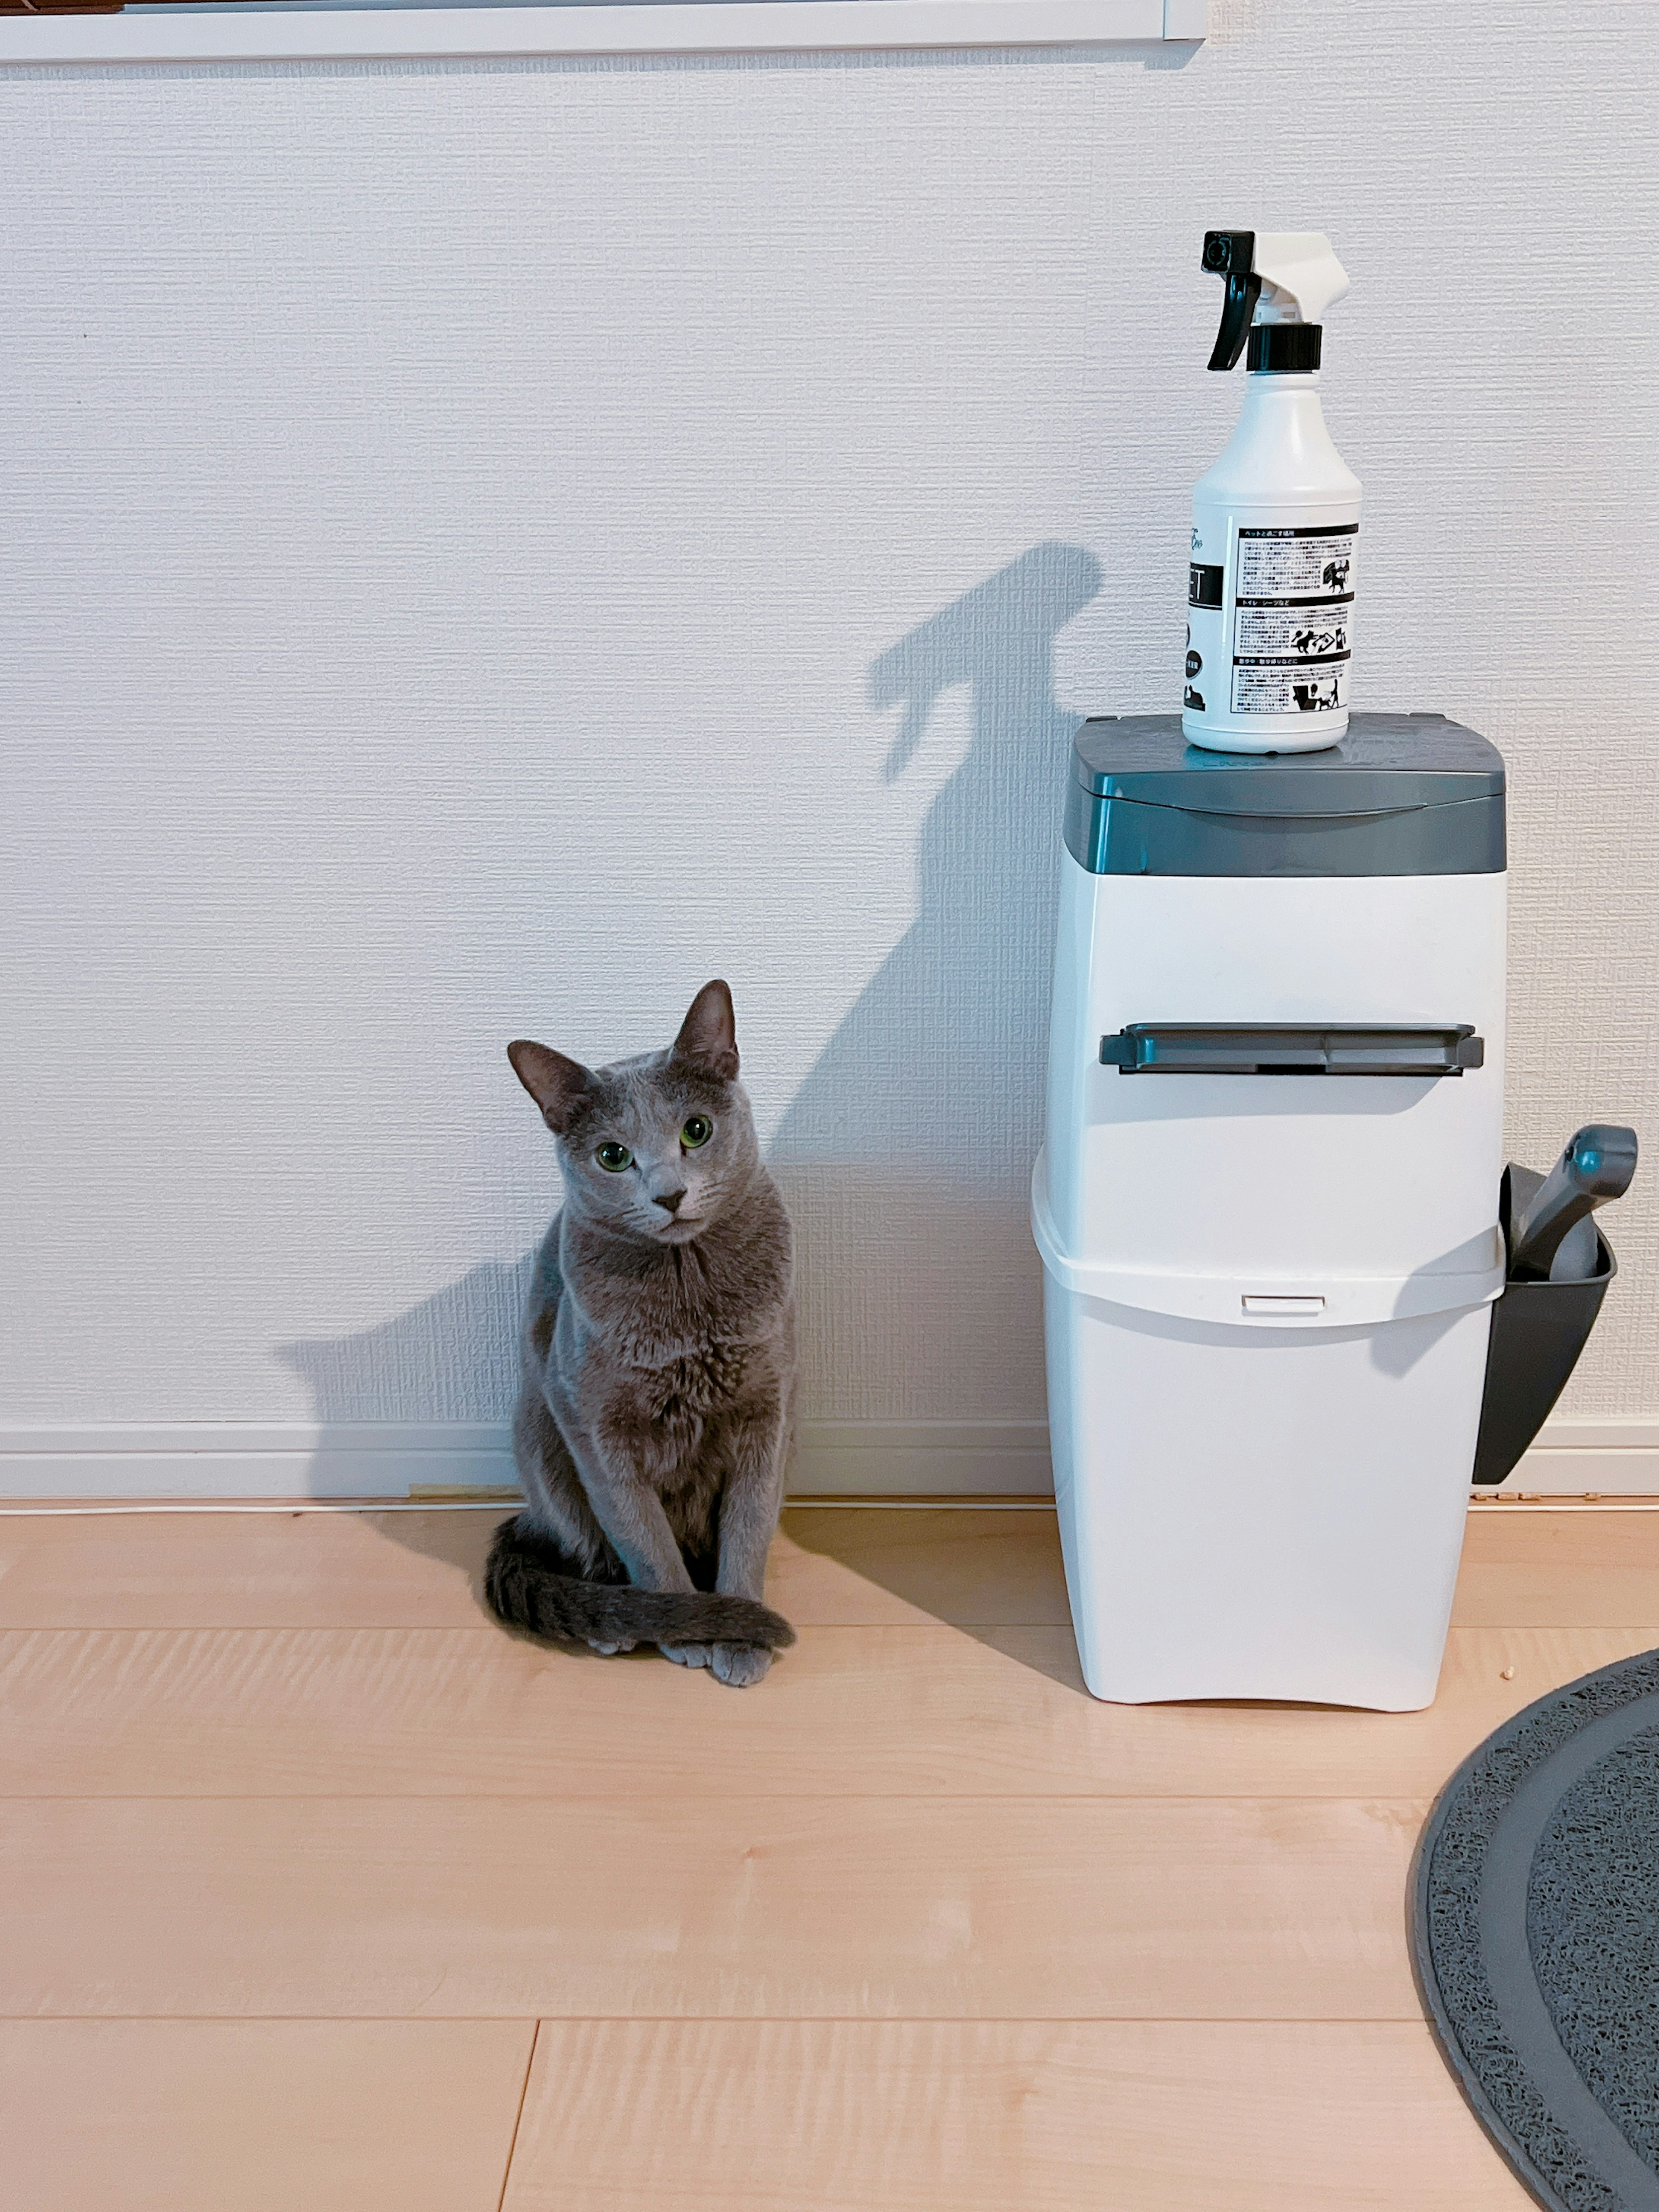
(1276, 521)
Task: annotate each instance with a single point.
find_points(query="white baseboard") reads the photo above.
(254, 1459)
(380, 33)
(836, 1459)
(1611, 1458)
(923, 1458)
(251, 1459)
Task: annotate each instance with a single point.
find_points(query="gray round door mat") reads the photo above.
(1535, 1938)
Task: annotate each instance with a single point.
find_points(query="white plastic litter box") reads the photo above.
(1267, 1203)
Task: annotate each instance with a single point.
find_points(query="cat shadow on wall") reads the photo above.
(906, 1153)
(451, 1359)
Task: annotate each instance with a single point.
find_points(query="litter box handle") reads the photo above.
(1322, 1048)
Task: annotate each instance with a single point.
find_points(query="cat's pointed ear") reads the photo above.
(557, 1085)
(708, 1035)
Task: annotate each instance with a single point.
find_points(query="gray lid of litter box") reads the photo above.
(1401, 795)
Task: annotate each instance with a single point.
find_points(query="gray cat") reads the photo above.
(657, 1362)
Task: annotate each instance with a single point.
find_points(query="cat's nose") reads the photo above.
(668, 1200)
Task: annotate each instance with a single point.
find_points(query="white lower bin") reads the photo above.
(1252, 1512)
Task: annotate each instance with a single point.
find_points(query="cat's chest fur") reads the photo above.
(688, 1390)
(667, 1416)
(667, 1355)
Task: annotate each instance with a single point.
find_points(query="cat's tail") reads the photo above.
(529, 1585)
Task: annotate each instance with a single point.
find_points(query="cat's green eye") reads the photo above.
(614, 1158)
(697, 1131)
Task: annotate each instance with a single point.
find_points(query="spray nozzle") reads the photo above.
(1272, 276)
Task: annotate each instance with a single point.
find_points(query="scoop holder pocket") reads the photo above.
(1540, 1326)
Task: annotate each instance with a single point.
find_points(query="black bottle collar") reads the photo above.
(1292, 349)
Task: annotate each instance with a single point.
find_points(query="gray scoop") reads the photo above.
(1554, 1239)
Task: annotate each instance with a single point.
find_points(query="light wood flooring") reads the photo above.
(319, 1894)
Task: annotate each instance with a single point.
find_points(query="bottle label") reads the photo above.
(1292, 619)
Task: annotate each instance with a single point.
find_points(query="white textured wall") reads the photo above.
(488, 546)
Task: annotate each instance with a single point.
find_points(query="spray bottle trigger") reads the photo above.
(1229, 253)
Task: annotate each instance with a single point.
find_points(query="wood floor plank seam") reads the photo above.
(937, 1625)
(569, 1797)
(1646, 1625)
(333, 2018)
(727, 1798)
(344, 1621)
(518, 2117)
(871, 2021)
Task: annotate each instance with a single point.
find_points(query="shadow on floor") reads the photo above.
(458, 1539)
(994, 1574)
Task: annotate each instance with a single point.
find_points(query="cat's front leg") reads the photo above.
(627, 1507)
(750, 1504)
(630, 1513)
(751, 1444)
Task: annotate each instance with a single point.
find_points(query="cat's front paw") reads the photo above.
(610, 1650)
(737, 1665)
(690, 1654)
